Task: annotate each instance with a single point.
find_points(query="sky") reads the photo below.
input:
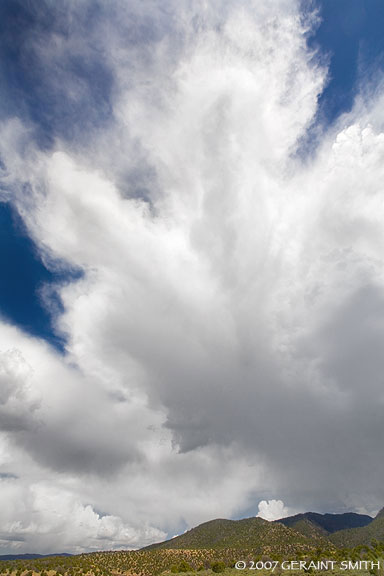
(191, 266)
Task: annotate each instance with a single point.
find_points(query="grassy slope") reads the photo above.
(251, 533)
(310, 530)
(148, 563)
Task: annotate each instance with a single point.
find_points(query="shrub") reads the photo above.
(218, 566)
(184, 566)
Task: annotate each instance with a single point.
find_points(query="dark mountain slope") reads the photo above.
(364, 535)
(29, 556)
(327, 523)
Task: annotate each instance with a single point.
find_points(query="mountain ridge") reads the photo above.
(329, 523)
(31, 556)
(303, 531)
(361, 536)
(248, 533)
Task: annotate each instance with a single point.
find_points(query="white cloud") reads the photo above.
(45, 517)
(18, 399)
(96, 445)
(273, 510)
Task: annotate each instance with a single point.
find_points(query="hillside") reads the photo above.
(251, 533)
(359, 536)
(309, 529)
(313, 523)
(302, 532)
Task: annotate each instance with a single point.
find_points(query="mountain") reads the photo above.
(325, 524)
(306, 527)
(250, 533)
(29, 556)
(364, 535)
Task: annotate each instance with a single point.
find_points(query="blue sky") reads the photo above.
(351, 34)
(349, 37)
(191, 249)
(22, 296)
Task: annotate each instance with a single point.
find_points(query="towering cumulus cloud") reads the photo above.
(223, 340)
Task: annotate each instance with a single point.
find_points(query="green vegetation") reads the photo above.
(218, 567)
(361, 536)
(251, 533)
(197, 562)
(310, 529)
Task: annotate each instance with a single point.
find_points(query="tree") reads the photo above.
(218, 566)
